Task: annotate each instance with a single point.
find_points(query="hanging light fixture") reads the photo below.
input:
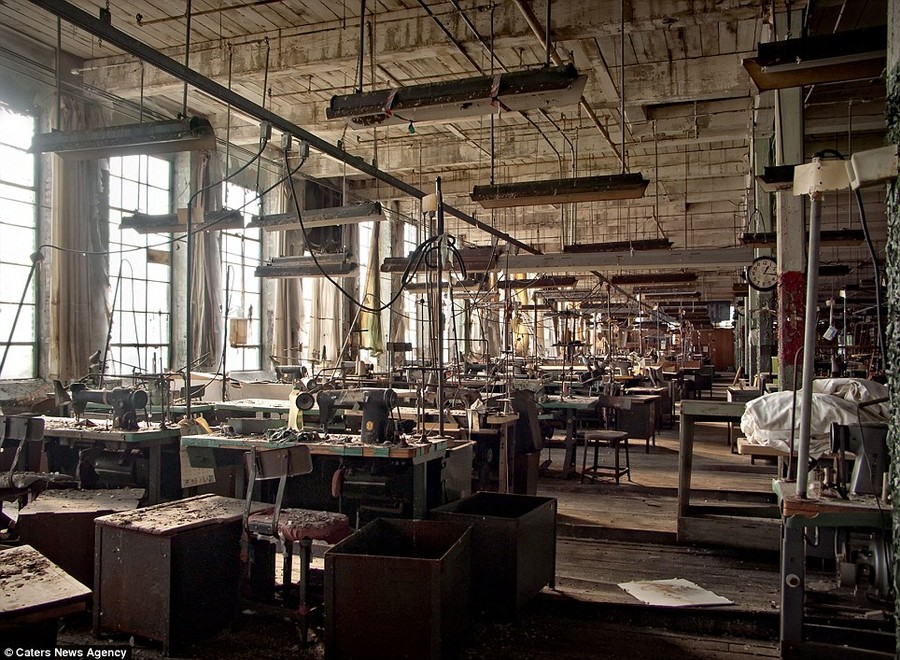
(152, 137)
(850, 55)
(580, 189)
(174, 223)
(459, 99)
(338, 215)
(334, 265)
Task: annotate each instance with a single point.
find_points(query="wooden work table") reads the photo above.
(714, 522)
(66, 431)
(571, 407)
(419, 461)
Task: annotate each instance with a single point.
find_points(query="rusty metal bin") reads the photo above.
(169, 572)
(398, 589)
(514, 551)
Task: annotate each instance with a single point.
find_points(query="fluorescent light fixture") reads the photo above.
(338, 215)
(653, 278)
(479, 259)
(776, 178)
(460, 99)
(845, 237)
(555, 281)
(850, 55)
(675, 295)
(152, 137)
(834, 270)
(335, 265)
(177, 222)
(621, 246)
(561, 191)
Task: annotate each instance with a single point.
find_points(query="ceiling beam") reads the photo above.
(580, 262)
(111, 35)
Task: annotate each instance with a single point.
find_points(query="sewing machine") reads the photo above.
(124, 401)
(377, 427)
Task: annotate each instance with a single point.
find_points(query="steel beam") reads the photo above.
(580, 262)
(139, 49)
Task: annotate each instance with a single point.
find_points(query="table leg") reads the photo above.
(503, 485)
(420, 490)
(685, 461)
(793, 578)
(571, 442)
(153, 497)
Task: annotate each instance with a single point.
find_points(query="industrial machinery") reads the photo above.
(869, 443)
(124, 401)
(377, 426)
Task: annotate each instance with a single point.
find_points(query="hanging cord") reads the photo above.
(187, 55)
(228, 272)
(264, 137)
(425, 248)
(882, 344)
(622, 87)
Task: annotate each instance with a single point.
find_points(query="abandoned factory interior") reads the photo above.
(449, 329)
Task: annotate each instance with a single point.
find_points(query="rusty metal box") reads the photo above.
(514, 551)
(398, 589)
(60, 525)
(169, 572)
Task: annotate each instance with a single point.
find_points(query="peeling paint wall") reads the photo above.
(892, 257)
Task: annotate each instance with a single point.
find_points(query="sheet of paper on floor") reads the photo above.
(673, 593)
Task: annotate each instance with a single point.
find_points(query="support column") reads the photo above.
(790, 226)
(765, 345)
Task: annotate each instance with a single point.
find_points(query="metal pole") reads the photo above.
(440, 307)
(809, 342)
(187, 54)
(362, 41)
(547, 34)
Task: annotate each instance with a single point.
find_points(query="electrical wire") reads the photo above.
(418, 255)
(879, 320)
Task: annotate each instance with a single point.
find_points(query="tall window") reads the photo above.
(365, 247)
(139, 266)
(241, 254)
(410, 299)
(18, 228)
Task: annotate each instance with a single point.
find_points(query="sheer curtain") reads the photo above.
(79, 313)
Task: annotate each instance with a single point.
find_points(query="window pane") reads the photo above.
(19, 362)
(17, 242)
(140, 329)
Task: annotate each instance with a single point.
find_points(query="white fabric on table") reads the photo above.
(767, 420)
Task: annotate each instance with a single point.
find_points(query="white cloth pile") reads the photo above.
(767, 420)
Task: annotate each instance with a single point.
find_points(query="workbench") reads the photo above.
(63, 432)
(36, 592)
(572, 407)
(797, 516)
(421, 463)
(713, 523)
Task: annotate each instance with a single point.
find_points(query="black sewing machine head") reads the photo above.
(377, 426)
(124, 401)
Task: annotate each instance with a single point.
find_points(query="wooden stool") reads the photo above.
(605, 438)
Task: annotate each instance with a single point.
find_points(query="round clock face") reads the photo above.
(762, 274)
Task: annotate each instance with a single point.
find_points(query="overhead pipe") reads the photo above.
(139, 49)
(532, 21)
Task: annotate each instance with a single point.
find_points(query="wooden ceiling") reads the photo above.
(689, 105)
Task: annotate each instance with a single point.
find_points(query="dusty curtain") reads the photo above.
(207, 330)
(398, 329)
(290, 325)
(79, 294)
(370, 322)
